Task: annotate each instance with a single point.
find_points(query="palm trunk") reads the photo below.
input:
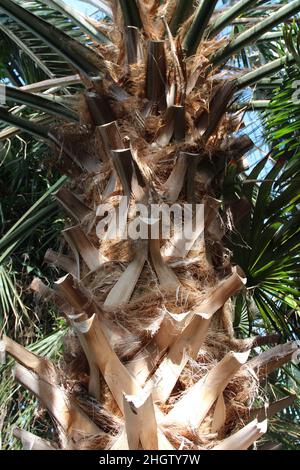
(154, 358)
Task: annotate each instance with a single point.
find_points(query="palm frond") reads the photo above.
(38, 102)
(82, 58)
(30, 126)
(198, 26)
(264, 71)
(22, 229)
(131, 13)
(256, 32)
(82, 21)
(266, 244)
(231, 13)
(12, 400)
(184, 9)
(12, 37)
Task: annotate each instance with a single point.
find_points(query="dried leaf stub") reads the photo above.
(121, 443)
(244, 438)
(73, 205)
(111, 136)
(222, 293)
(122, 291)
(188, 343)
(116, 375)
(140, 423)
(273, 358)
(100, 109)
(70, 289)
(186, 346)
(173, 127)
(38, 287)
(94, 377)
(186, 239)
(208, 122)
(134, 50)
(167, 278)
(193, 161)
(66, 263)
(156, 73)
(78, 239)
(219, 417)
(193, 407)
(32, 442)
(175, 182)
(129, 173)
(40, 365)
(72, 423)
(170, 329)
(270, 410)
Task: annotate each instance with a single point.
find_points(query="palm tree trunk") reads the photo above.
(151, 352)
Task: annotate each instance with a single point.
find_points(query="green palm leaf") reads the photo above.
(82, 58)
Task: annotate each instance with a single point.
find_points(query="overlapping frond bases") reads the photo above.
(151, 360)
